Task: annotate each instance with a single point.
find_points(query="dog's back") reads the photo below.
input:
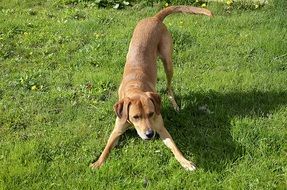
(148, 32)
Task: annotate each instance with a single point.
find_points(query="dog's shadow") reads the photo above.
(204, 126)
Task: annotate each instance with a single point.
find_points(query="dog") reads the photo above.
(139, 104)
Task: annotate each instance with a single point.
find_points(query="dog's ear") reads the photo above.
(156, 100)
(122, 109)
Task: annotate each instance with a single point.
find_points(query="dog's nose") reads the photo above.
(149, 133)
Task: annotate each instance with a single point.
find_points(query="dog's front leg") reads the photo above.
(168, 141)
(113, 139)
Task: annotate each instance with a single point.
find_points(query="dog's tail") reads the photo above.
(181, 9)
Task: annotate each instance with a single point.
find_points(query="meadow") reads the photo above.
(61, 64)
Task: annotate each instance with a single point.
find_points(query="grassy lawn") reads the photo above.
(61, 65)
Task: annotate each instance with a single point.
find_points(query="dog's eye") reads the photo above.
(136, 117)
(150, 114)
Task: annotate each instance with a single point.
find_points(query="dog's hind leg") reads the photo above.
(165, 53)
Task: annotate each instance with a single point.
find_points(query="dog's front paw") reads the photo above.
(96, 164)
(188, 165)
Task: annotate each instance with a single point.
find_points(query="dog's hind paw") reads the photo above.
(173, 103)
(176, 108)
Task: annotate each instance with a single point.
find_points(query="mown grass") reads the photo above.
(61, 65)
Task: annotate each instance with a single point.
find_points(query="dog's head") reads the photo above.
(142, 111)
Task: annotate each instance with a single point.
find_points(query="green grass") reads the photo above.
(60, 67)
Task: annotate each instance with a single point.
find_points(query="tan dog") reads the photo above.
(139, 104)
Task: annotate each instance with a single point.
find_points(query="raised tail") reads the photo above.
(181, 9)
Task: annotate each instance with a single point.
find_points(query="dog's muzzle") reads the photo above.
(149, 133)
